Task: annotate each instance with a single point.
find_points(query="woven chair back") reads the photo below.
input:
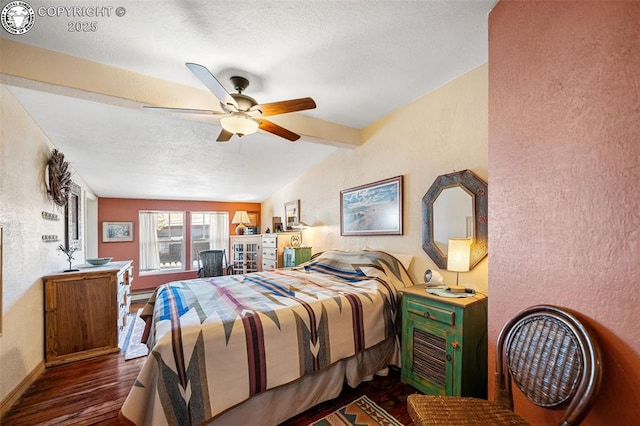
(553, 360)
(212, 263)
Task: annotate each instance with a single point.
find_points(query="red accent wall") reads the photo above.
(126, 210)
(564, 167)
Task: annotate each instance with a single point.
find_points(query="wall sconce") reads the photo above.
(240, 217)
(459, 256)
(301, 226)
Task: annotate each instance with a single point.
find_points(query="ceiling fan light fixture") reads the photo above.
(239, 124)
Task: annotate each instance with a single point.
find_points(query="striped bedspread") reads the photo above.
(215, 342)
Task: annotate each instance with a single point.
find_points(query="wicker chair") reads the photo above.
(547, 353)
(213, 263)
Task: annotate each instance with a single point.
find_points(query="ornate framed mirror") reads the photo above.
(455, 206)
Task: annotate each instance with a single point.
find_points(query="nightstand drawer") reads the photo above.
(444, 316)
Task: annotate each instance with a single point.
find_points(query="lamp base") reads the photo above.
(240, 229)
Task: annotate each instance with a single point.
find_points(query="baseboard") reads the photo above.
(141, 296)
(17, 392)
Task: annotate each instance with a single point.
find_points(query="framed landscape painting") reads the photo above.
(117, 231)
(372, 209)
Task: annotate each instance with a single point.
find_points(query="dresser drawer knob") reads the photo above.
(427, 314)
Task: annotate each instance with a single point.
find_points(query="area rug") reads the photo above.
(362, 411)
(132, 347)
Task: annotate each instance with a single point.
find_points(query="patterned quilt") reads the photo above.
(215, 342)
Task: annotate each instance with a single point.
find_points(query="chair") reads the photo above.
(547, 353)
(212, 263)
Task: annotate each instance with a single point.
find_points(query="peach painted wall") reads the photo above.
(126, 210)
(564, 162)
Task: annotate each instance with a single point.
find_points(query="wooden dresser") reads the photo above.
(86, 311)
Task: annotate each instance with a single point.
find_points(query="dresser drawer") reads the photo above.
(268, 264)
(269, 254)
(432, 313)
(269, 241)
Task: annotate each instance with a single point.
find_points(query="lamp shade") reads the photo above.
(239, 124)
(459, 254)
(240, 216)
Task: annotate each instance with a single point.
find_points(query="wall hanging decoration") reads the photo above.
(372, 209)
(58, 178)
(50, 216)
(113, 232)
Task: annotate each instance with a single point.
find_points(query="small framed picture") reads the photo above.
(291, 214)
(117, 231)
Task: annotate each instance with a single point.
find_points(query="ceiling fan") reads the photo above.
(242, 114)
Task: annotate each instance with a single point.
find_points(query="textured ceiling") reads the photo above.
(359, 60)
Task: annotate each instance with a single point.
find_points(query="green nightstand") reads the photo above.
(294, 256)
(444, 343)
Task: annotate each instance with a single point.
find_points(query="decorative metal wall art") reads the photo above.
(58, 178)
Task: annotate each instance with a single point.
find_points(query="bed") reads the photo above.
(262, 347)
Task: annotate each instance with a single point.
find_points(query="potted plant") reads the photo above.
(69, 253)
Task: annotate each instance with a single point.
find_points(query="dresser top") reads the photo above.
(118, 265)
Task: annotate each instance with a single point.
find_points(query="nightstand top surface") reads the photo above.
(421, 290)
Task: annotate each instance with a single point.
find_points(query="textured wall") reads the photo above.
(564, 162)
(441, 132)
(24, 152)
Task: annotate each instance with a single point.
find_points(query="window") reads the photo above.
(161, 241)
(209, 230)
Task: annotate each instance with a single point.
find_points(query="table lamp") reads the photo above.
(458, 259)
(240, 217)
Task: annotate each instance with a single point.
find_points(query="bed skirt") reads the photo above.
(277, 405)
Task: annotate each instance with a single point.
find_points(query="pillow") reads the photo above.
(370, 262)
(405, 259)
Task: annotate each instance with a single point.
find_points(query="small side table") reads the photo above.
(294, 256)
(444, 343)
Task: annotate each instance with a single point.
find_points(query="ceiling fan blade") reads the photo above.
(277, 130)
(183, 110)
(282, 107)
(212, 83)
(224, 136)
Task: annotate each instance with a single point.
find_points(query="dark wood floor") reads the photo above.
(91, 392)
